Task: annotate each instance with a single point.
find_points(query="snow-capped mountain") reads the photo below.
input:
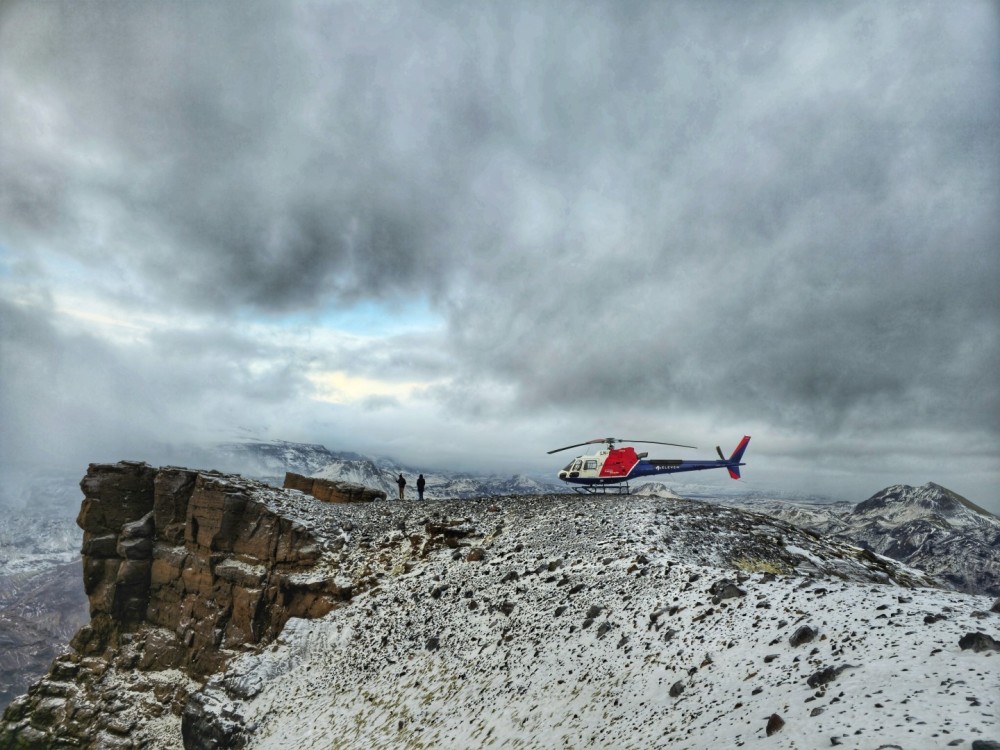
(934, 529)
(655, 489)
(899, 504)
(268, 461)
(928, 527)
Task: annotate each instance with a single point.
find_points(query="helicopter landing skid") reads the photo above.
(603, 489)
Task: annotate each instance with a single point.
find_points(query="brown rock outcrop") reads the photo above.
(332, 490)
(182, 569)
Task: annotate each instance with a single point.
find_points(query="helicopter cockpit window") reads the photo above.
(576, 465)
(590, 465)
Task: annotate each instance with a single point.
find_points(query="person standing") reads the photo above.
(421, 483)
(402, 485)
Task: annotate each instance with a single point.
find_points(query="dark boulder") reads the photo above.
(725, 589)
(825, 675)
(979, 642)
(774, 724)
(803, 635)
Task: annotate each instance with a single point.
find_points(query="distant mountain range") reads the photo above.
(268, 461)
(928, 527)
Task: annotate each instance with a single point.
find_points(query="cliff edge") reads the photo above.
(182, 569)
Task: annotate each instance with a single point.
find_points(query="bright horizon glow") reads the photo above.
(338, 387)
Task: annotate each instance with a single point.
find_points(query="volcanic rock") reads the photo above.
(774, 724)
(803, 634)
(979, 642)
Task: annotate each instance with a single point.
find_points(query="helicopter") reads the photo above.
(609, 470)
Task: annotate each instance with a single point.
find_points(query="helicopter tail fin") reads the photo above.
(733, 464)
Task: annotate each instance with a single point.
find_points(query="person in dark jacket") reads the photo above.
(402, 485)
(421, 483)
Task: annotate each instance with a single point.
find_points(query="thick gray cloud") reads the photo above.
(779, 217)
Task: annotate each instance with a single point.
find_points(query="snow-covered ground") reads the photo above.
(617, 623)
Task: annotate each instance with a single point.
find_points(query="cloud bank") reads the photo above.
(686, 220)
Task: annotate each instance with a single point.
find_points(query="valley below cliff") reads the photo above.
(226, 613)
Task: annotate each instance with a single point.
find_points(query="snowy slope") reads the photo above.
(616, 623)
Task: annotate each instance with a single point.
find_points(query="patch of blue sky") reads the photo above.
(366, 318)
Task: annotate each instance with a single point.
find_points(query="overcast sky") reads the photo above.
(462, 234)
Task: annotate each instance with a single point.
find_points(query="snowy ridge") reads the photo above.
(634, 622)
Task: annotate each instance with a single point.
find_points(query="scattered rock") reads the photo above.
(774, 724)
(825, 675)
(725, 589)
(676, 689)
(985, 745)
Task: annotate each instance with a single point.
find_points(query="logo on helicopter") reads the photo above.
(611, 469)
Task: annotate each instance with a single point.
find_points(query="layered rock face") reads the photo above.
(182, 569)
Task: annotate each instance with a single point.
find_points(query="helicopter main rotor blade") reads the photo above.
(612, 441)
(577, 445)
(655, 442)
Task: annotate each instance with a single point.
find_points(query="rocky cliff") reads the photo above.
(182, 569)
(229, 614)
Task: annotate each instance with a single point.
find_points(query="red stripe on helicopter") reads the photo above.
(619, 462)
